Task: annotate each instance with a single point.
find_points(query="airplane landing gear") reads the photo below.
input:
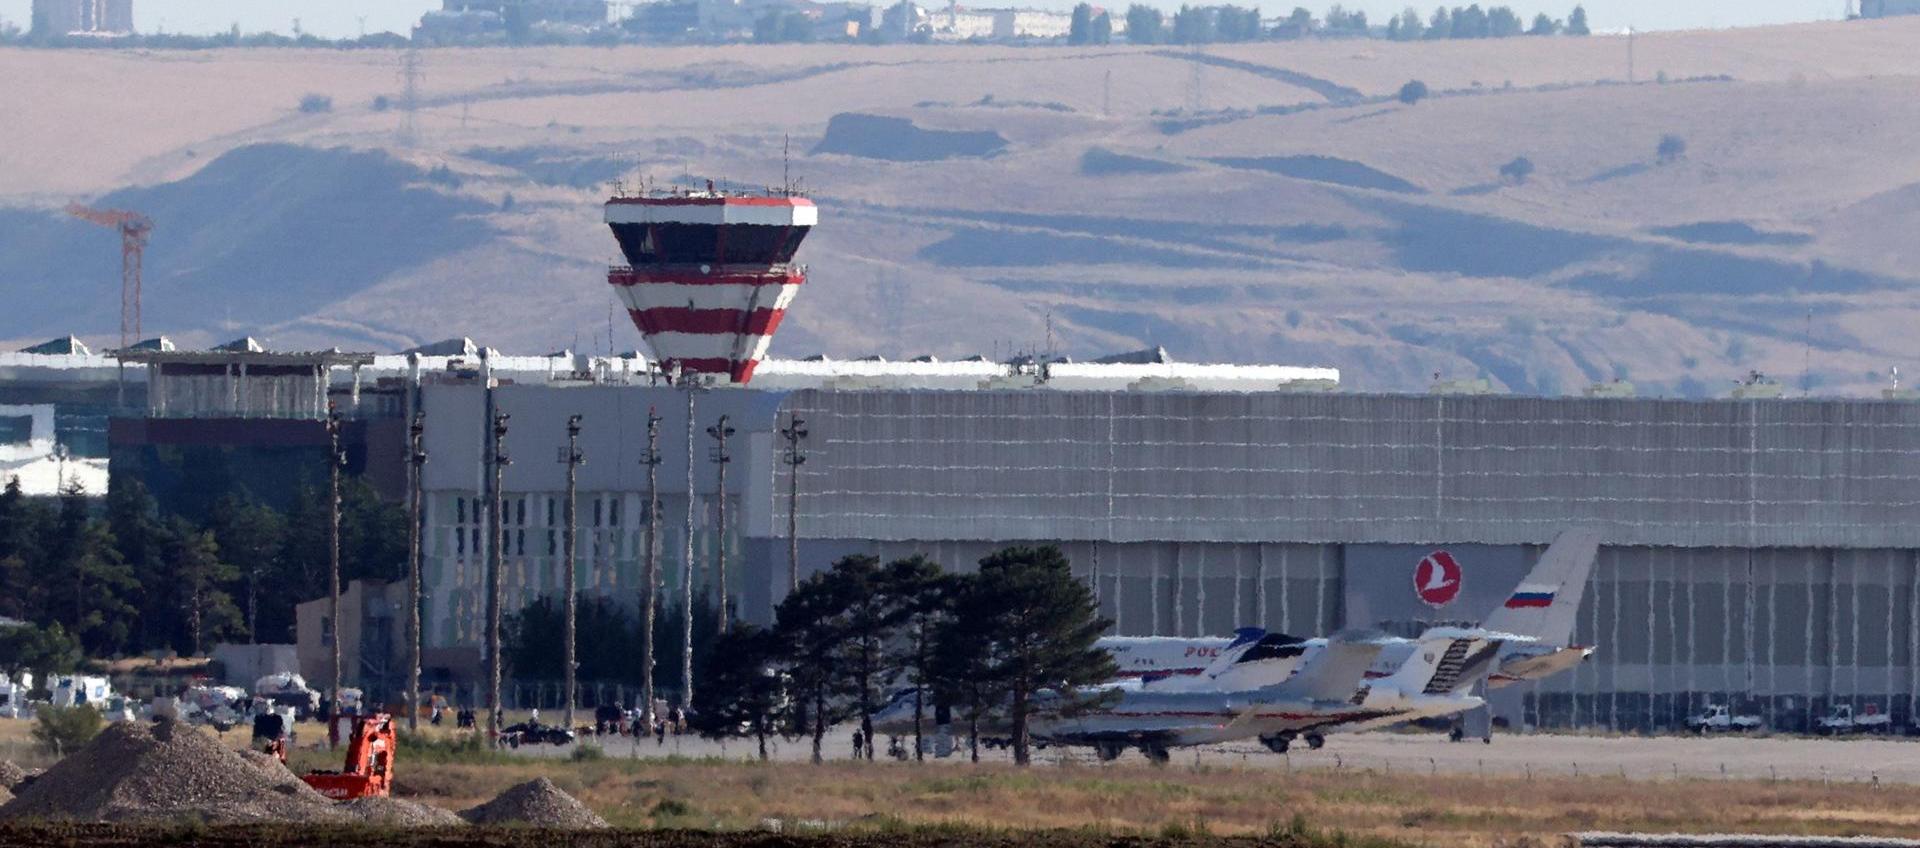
(1456, 734)
(1279, 742)
(1156, 754)
(1108, 751)
(1315, 740)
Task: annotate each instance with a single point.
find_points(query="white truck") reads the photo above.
(1718, 718)
(1843, 720)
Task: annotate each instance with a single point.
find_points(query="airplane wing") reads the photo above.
(1335, 673)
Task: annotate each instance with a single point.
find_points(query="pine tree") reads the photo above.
(1037, 626)
(1080, 25)
(1441, 25)
(925, 595)
(742, 688)
(1144, 24)
(1577, 22)
(196, 582)
(139, 537)
(811, 630)
(251, 536)
(1543, 25)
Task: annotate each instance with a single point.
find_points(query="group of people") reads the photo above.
(463, 718)
(613, 720)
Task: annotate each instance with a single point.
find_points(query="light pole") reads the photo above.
(335, 459)
(794, 433)
(691, 383)
(416, 459)
(720, 457)
(650, 595)
(496, 596)
(573, 459)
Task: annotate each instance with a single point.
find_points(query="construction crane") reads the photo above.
(133, 228)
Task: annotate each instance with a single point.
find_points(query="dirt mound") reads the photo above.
(539, 803)
(398, 813)
(136, 772)
(10, 774)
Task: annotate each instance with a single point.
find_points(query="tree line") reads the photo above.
(1006, 639)
(1229, 23)
(115, 577)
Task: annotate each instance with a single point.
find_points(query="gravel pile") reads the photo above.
(135, 771)
(539, 803)
(10, 774)
(395, 812)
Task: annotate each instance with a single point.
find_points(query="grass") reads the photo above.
(1175, 803)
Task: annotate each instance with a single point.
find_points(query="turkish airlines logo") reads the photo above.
(1437, 579)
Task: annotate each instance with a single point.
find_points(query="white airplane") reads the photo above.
(1328, 688)
(1543, 607)
(1526, 638)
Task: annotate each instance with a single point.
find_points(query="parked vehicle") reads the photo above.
(1843, 720)
(535, 733)
(1718, 718)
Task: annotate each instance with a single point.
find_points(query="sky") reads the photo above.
(343, 18)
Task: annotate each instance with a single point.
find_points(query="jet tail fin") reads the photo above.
(1547, 600)
(1243, 640)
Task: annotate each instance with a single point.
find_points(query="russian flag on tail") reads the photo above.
(1529, 596)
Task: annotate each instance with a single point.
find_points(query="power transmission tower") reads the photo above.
(794, 433)
(335, 459)
(416, 460)
(573, 459)
(496, 596)
(650, 596)
(410, 76)
(720, 458)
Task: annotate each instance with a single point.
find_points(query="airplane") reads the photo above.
(1329, 688)
(1534, 626)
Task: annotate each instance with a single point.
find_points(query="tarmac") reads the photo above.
(1864, 759)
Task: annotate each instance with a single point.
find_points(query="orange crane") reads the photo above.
(133, 228)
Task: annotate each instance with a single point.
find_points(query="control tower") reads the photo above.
(709, 273)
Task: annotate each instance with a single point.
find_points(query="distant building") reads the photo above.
(581, 12)
(1888, 8)
(82, 17)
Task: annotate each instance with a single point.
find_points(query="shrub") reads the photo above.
(1671, 147)
(1517, 170)
(587, 753)
(381, 103)
(58, 731)
(314, 104)
(1413, 92)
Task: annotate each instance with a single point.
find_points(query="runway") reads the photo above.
(1541, 755)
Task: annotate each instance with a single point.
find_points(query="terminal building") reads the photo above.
(1758, 551)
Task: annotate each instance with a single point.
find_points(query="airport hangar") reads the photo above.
(1761, 552)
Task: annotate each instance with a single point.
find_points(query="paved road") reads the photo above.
(1862, 759)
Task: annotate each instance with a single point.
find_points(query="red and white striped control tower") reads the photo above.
(710, 273)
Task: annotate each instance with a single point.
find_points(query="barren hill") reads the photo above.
(1263, 202)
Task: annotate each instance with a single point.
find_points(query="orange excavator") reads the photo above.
(368, 771)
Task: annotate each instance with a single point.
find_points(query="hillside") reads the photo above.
(1266, 202)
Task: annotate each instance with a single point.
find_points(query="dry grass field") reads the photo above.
(1436, 811)
(1264, 202)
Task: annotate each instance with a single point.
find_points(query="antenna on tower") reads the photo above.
(786, 165)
